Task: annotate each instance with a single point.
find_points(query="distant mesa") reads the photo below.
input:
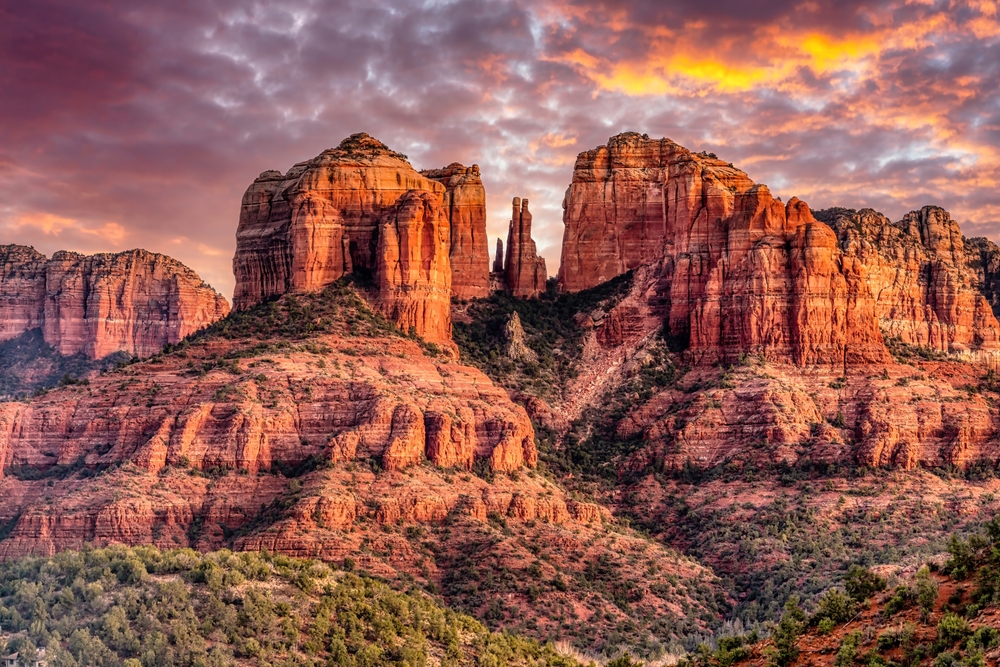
(134, 301)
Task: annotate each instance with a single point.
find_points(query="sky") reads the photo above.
(139, 123)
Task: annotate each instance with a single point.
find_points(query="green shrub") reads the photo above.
(848, 650)
(862, 583)
(951, 629)
(835, 606)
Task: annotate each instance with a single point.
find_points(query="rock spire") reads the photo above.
(524, 270)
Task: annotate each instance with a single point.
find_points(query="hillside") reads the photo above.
(311, 426)
(121, 606)
(947, 613)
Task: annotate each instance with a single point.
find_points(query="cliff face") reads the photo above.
(741, 273)
(927, 293)
(414, 275)
(465, 208)
(134, 301)
(322, 220)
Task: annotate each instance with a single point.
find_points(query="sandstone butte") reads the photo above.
(133, 301)
(330, 216)
(738, 272)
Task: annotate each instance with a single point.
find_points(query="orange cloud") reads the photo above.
(54, 225)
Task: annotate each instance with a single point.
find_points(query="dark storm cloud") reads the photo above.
(140, 123)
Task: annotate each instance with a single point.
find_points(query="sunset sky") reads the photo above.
(139, 124)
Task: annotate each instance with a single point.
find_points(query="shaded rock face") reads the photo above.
(320, 221)
(133, 301)
(524, 270)
(737, 272)
(465, 208)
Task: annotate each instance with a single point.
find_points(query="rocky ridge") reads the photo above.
(134, 302)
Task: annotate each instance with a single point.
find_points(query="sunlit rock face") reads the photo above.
(739, 272)
(323, 219)
(134, 301)
(465, 208)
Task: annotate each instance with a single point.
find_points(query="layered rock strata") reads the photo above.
(323, 219)
(927, 294)
(739, 273)
(413, 269)
(524, 270)
(134, 301)
(465, 208)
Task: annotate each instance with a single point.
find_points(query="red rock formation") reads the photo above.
(22, 290)
(524, 270)
(927, 294)
(739, 273)
(133, 301)
(498, 259)
(396, 405)
(322, 220)
(465, 208)
(414, 275)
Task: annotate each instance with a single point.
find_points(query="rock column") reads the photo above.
(524, 270)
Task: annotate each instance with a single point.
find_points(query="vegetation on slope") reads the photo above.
(945, 617)
(29, 364)
(549, 331)
(126, 607)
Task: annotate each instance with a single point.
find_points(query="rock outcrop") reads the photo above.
(524, 270)
(498, 258)
(465, 208)
(134, 301)
(927, 294)
(739, 273)
(413, 270)
(322, 220)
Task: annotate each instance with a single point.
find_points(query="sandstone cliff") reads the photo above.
(927, 294)
(738, 272)
(322, 220)
(465, 208)
(134, 301)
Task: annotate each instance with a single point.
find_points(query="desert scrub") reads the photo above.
(141, 606)
(549, 331)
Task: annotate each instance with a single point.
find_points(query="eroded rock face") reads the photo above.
(413, 269)
(524, 270)
(323, 220)
(134, 301)
(927, 294)
(396, 405)
(739, 273)
(465, 208)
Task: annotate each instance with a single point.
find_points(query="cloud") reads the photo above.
(108, 234)
(158, 115)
